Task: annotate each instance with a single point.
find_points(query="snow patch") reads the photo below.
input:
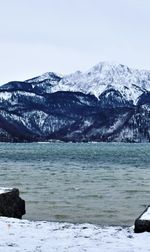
(5, 190)
(22, 235)
(146, 215)
(5, 95)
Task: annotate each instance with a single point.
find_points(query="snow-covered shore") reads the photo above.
(22, 235)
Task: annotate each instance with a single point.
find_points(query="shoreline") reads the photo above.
(42, 236)
(74, 142)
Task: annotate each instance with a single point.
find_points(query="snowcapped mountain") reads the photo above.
(104, 76)
(109, 102)
(131, 83)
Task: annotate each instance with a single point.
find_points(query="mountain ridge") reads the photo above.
(106, 103)
(131, 82)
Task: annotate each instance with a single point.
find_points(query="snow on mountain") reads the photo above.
(34, 110)
(48, 77)
(104, 76)
(131, 83)
(44, 82)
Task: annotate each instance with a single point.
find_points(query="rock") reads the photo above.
(11, 205)
(142, 223)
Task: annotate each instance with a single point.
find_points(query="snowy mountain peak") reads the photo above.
(103, 76)
(110, 67)
(131, 83)
(48, 76)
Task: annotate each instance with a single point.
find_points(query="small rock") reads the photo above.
(142, 223)
(11, 205)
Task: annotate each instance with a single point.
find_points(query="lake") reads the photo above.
(99, 183)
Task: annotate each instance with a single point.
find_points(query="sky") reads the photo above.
(62, 36)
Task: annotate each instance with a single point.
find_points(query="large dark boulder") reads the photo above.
(142, 223)
(11, 205)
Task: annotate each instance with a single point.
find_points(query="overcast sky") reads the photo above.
(63, 36)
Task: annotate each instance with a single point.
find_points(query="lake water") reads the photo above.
(101, 183)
